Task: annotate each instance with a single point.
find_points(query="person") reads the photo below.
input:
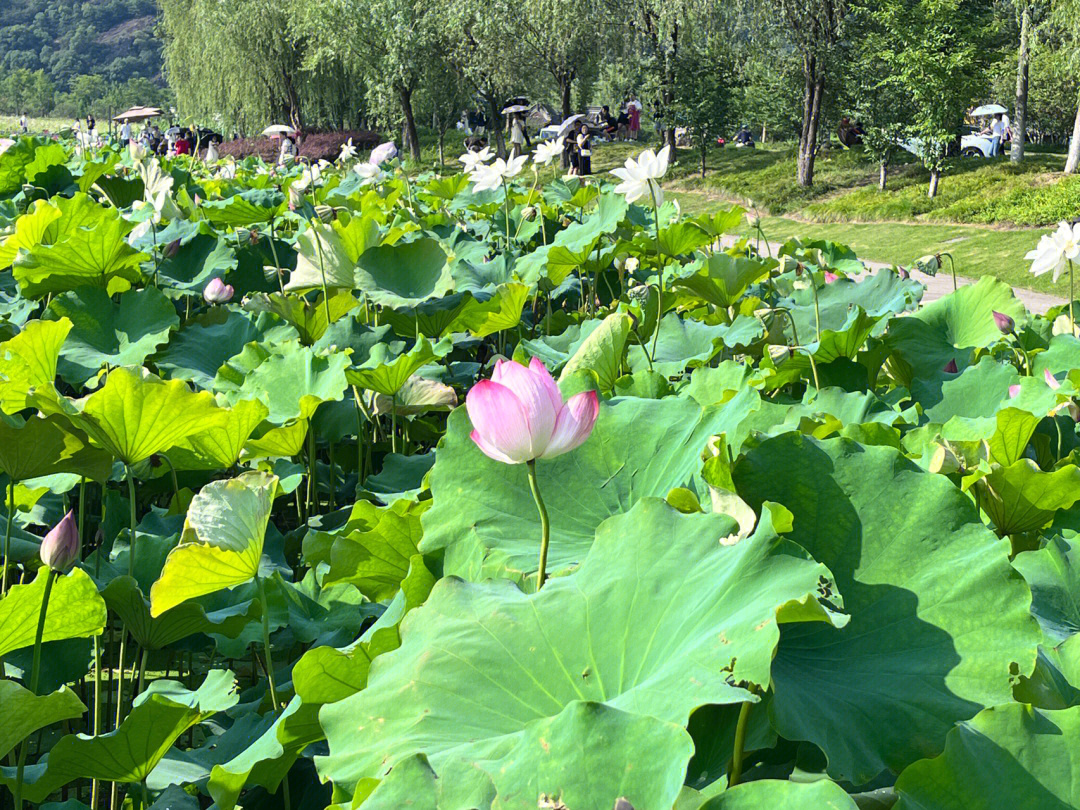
(743, 137)
(171, 136)
(584, 150)
(22, 124)
(475, 142)
(183, 145)
(125, 133)
(633, 109)
(996, 131)
(287, 152)
(848, 133)
(569, 154)
(90, 124)
(622, 124)
(517, 134)
(607, 120)
(212, 155)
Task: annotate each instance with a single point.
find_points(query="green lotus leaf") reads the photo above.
(134, 415)
(277, 442)
(122, 192)
(219, 448)
(683, 238)
(222, 542)
(1049, 687)
(106, 334)
(722, 222)
(1053, 573)
(1022, 498)
(266, 760)
(572, 246)
(602, 351)
(683, 343)
(502, 311)
(918, 571)
(556, 350)
(13, 163)
(126, 600)
(75, 610)
(329, 674)
(44, 446)
(773, 794)
(404, 275)
(496, 661)
(322, 261)
(157, 719)
(30, 230)
(1006, 756)
(722, 279)
(482, 511)
(200, 254)
(294, 382)
(245, 208)
(383, 372)
(24, 712)
(360, 233)
(29, 361)
(87, 256)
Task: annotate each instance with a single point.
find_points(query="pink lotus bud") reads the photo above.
(60, 548)
(1014, 391)
(950, 367)
(171, 248)
(1006, 324)
(830, 277)
(197, 200)
(382, 153)
(1053, 383)
(904, 274)
(519, 414)
(217, 292)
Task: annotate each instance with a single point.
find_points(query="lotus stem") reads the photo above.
(35, 671)
(277, 263)
(952, 269)
(506, 212)
(133, 524)
(660, 262)
(1072, 297)
(7, 534)
(740, 743)
(817, 307)
(97, 709)
(266, 641)
(545, 526)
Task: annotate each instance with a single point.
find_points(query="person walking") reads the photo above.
(633, 109)
(517, 135)
(584, 149)
(125, 133)
(22, 124)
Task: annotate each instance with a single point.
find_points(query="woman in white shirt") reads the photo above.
(517, 135)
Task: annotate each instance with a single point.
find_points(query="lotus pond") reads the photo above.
(384, 491)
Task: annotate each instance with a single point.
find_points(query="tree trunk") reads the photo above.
(293, 102)
(883, 175)
(1074, 146)
(763, 133)
(497, 125)
(412, 140)
(442, 137)
(704, 147)
(1020, 122)
(935, 175)
(812, 93)
(566, 84)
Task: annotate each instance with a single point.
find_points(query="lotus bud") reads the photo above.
(903, 273)
(1006, 324)
(171, 248)
(1014, 391)
(60, 548)
(382, 153)
(830, 277)
(631, 264)
(950, 367)
(217, 292)
(529, 213)
(1050, 380)
(944, 461)
(197, 200)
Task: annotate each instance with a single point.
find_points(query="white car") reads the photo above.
(971, 145)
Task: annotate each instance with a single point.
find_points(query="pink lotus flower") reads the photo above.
(217, 292)
(382, 153)
(60, 548)
(830, 277)
(1006, 324)
(904, 274)
(1014, 391)
(519, 414)
(1050, 380)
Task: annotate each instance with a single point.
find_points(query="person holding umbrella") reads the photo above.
(584, 150)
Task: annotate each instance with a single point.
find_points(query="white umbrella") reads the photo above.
(279, 129)
(989, 109)
(516, 108)
(564, 127)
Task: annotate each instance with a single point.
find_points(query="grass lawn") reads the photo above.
(9, 124)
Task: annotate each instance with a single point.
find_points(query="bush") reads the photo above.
(313, 145)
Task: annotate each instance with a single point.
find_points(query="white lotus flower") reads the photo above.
(547, 151)
(348, 151)
(487, 177)
(473, 159)
(1056, 250)
(367, 171)
(642, 174)
(382, 153)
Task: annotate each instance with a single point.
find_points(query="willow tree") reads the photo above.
(561, 38)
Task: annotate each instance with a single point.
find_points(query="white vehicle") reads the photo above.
(972, 145)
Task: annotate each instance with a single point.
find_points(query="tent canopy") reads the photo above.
(138, 114)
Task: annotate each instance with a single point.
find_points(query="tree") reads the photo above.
(704, 98)
(561, 37)
(815, 28)
(1022, 66)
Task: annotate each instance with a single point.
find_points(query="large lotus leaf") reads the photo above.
(1061, 356)
(245, 208)
(1022, 498)
(502, 311)
(774, 794)
(682, 343)
(126, 600)
(556, 350)
(721, 279)
(918, 571)
(360, 233)
(24, 712)
(266, 761)
(30, 230)
(277, 442)
(1010, 756)
(219, 448)
(483, 512)
(157, 719)
(136, 414)
(121, 191)
(375, 555)
(1053, 573)
(75, 610)
(194, 257)
(979, 392)
(495, 660)
(307, 317)
(418, 395)
(203, 344)
(602, 351)
(29, 360)
(572, 245)
(432, 319)
(108, 334)
(222, 542)
(97, 256)
(13, 163)
(951, 328)
(382, 367)
(329, 674)
(37, 447)
(322, 261)
(293, 383)
(404, 275)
